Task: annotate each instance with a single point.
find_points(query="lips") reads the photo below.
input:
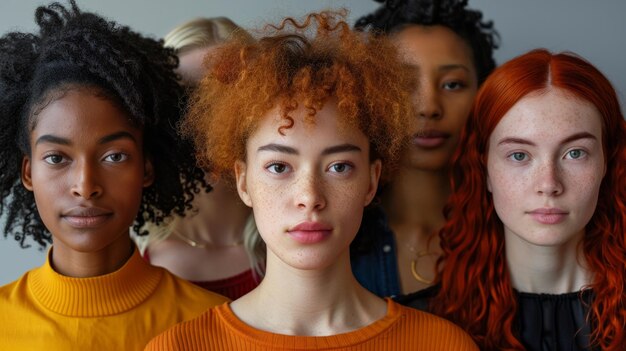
(310, 232)
(86, 217)
(548, 215)
(430, 138)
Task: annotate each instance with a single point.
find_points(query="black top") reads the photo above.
(545, 322)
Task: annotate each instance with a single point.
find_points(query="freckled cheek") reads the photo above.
(348, 199)
(508, 190)
(587, 186)
(268, 202)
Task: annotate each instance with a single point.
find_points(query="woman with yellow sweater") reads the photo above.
(86, 106)
(308, 118)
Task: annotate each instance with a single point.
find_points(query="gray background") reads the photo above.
(595, 29)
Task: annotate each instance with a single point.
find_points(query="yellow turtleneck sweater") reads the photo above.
(123, 310)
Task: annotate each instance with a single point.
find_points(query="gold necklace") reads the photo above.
(198, 245)
(414, 263)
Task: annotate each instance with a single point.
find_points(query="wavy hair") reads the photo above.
(300, 62)
(203, 32)
(480, 36)
(81, 49)
(476, 290)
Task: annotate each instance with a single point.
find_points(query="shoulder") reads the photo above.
(18, 289)
(431, 332)
(186, 291)
(191, 334)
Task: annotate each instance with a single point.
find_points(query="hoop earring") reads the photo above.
(414, 271)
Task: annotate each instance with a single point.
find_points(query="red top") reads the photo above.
(232, 287)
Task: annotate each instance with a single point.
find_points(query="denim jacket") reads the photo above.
(373, 254)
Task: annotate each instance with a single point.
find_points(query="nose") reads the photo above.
(549, 179)
(310, 195)
(86, 182)
(429, 102)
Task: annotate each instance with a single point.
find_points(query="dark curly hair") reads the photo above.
(80, 49)
(482, 38)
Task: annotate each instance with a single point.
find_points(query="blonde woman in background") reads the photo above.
(216, 245)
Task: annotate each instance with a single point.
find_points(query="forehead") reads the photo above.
(432, 45)
(81, 111)
(326, 126)
(550, 114)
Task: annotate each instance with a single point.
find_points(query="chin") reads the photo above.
(424, 165)
(309, 262)
(431, 161)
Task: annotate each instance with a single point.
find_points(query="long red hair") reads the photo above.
(476, 290)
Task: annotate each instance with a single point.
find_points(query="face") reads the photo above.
(308, 187)
(545, 165)
(446, 85)
(87, 171)
(190, 65)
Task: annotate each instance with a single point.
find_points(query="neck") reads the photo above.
(321, 302)
(415, 200)
(220, 221)
(546, 269)
(83, 264)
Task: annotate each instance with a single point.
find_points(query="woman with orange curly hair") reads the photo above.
(307, 118)
(534, 244)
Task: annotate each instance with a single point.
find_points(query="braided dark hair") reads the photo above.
(482, 38)
(75, 48)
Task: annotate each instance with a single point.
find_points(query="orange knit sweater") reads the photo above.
(402, 328)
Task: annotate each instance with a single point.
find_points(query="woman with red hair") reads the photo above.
(535, 240)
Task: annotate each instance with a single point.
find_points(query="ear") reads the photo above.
(148, 172)
(375, 170)
(26, 176)
(240, 178)
(489, 184)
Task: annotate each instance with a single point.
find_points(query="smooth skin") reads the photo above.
(545, 180)
(446, 85)
(87, 171)
(307, 189)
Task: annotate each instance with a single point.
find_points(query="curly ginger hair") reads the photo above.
(308, 63)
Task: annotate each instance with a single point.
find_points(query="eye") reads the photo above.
(340, 167)
(453, 85)
(277, 168)
(116, 157)
(518, 156)
(575, 154)
(54, 159)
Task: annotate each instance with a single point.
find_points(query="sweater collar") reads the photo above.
(99, 296)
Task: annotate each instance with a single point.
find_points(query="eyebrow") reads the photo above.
(48, 138)
(452, 67)
(577, 136)
(116, 136)
(341, 148)
(442, 68)
(327, 151)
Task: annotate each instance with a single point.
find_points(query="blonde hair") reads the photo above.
(202, 32)
(197, 33)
